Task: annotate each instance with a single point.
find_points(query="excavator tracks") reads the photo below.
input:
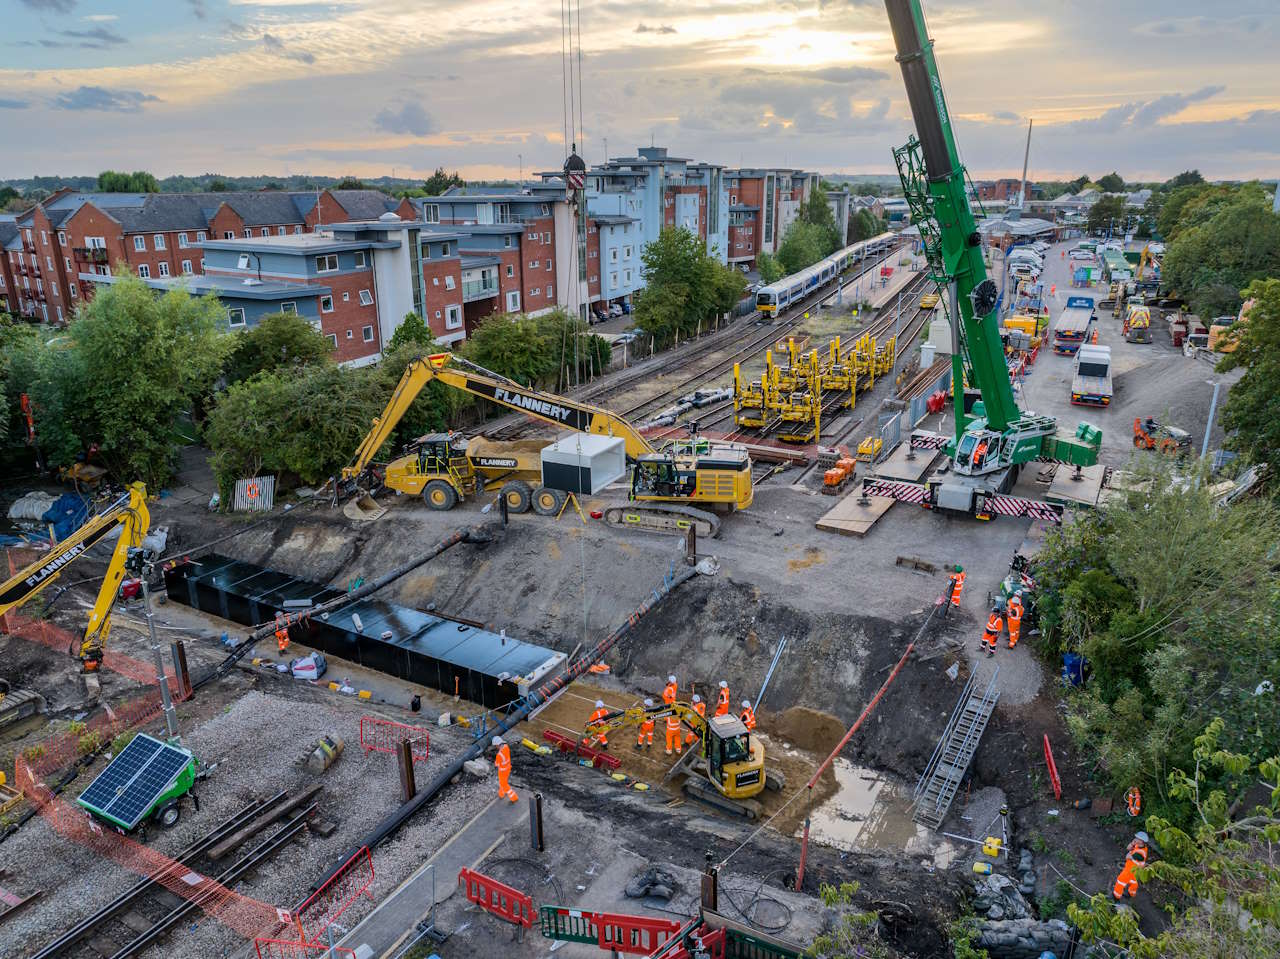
(695, 787)
(662, 518)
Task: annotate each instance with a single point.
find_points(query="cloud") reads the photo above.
(7, 104)
(99, 38)
(1170, 104)
(275, 45)
(198, 9)
(843, 74)
(102, 99)
(410, 119)
(50, 6)
(664, 28)
(100, 17)
(1006, 116)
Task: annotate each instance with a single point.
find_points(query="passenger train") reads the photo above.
(794, 288)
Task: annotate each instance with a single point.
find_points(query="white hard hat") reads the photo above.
(723, 684)
(1018, 593)
(648, 702)
(697, 698)
(671, 679)
(497, 741)
(1142, 837)
(746, 704)
(599, 704)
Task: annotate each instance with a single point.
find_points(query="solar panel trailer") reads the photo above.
(147, 777)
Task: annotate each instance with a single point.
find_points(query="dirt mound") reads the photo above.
(805, 728)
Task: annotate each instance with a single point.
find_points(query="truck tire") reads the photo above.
(547, 501)
(517, 493)
(168, 814)
(439, 494)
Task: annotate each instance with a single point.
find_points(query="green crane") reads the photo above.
(997, 437)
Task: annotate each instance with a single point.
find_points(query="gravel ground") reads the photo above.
(258, 743)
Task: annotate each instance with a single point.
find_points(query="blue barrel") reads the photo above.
(1073, 669)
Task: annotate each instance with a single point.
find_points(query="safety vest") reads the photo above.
(503, 760)
(1015, 615)
(994, 623)
(669, 693)
(700, 709)
(722, 704)
(1015, 606)
(647, 725)
(598, 715)
(749, 718)
(957, 585)
(673, 723)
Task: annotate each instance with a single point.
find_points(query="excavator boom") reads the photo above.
(129, 512)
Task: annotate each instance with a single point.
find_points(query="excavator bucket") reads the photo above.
(363, 509)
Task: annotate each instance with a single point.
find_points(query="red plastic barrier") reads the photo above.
(332, 899)
(635, 935)
(496, 897)
(569, 744)
(384, 735)
(1053, 768)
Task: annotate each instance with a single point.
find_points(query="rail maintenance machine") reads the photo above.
(995, 438)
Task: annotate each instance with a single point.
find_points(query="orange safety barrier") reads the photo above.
(332, 899)
(385, 735)
(496, 897)
(1053, 768)
(636, 935)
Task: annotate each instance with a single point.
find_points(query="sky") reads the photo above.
(374, 87)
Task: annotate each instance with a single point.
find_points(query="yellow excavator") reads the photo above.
(724, 769)
(667, 487)
(130, 514)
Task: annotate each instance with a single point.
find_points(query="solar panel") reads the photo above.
(134, 780)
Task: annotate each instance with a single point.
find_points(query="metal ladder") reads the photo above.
(950, 760)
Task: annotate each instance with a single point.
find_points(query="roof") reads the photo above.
(472, 262)
(437, 236)
(225, 287)
(304, 244)
(9, 235)
(613, 219)
(490, 228)
(364, 204)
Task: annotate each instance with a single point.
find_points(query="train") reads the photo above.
(794, 288)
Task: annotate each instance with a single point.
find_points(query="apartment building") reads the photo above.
(72, 234)
(763, 203)
(10, 239)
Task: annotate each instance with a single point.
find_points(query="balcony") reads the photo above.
(40, 295)
(24, 270)
(479, 289)
(90, 254)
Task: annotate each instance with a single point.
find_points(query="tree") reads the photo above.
(1169, 633)
(217, 185)
(1107, 214)
(769, 268)
(863, 225)
(729, 286)
(280, 340)
(134, 365)
(8, 194)
(849, 932)
(413, 330)
(804, 245)
(1078, 184)
(1112, 183)
(815, 211)
(1250, 414)
(1186, 178)
(1221, 866)
(109, 181)
(440, 181)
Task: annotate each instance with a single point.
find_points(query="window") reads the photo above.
(266, 231)
(158, 239)
(201, 264)
(506, 242)
(327, 264)
(366, 298)
(186, 267)
(546, 238)
(360, 260)
(351, 334)
(29, 235)
(280, 231)
(548, 292)
(326, 304)
(431, 212)
(533, 237)
(66, 261)
(613, 255)
(248, 233)
(235, 316)
(435, 281)
(613, 279)
(48, 261)
(452, 317)
(73, 290)
(297, 231)
(333, 341)
(59, 309)
(346, 297)
(140, 243)
(535, 264)
(367, 333)
(144, 271)
(444, 249)
(511, 271)
(62, 238)
(228, 235)
(548, 265)
(626, 276)
(182, 241)
(592, 254)
(44, 237)
(545, 210)
(449, 282)
(200, 237)
(243, 262)
(733, 199)
(626, 251)
(164, 267)
(513, 301)
(290, 307)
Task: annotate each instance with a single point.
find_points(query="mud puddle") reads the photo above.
(871, 812)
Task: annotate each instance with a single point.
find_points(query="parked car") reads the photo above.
(597, 316)
(623, 338)
(1080, 255)
(615, 309)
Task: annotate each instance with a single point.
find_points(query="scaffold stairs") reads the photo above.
(950, 761)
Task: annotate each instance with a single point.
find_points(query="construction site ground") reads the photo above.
(846, 606)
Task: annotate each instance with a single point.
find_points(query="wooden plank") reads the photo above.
(240, 836)
(851, 518)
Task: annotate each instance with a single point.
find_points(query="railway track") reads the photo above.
(143, 915)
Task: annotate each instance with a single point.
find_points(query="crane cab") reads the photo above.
(718, 475)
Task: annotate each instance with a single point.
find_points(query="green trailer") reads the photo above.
(144, 781)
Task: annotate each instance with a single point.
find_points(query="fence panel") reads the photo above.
(284, 949)
(384, 735)
(332, 899)
(257, 493)
(890, 433)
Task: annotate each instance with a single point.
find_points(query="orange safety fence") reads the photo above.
(284, 949)
(385, 736)
(332, 899)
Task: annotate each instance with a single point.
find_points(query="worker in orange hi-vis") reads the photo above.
(700, 708)
(1014, 614)
(995, 625)
(673, 734)
(957, 585)
(600, 738)
(722, 702)
(645, 739)
(1135, 858)
(502, 762)
(282, 633)
(748, 715)
(671, 690)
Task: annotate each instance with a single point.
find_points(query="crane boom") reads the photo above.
(469, 378)
(129, 512)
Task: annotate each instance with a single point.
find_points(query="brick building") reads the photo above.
(763, 203)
